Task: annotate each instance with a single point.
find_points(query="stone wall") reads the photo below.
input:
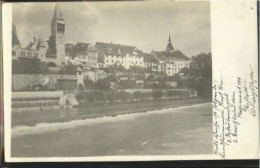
(26, 82)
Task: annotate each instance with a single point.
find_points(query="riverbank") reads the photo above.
(175, 131)
(99, 110)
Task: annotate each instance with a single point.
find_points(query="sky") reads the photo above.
(146, 25)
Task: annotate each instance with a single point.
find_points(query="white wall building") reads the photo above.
(121, 55)
(171, 60)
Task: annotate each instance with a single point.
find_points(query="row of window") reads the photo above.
(122, 62)
(26, 54)
(122, 57)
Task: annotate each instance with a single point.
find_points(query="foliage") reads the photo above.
(157, 94)
(128, 84)
(123, 96)
(88, 83)
(69, 69)
(201, 74)
(29, 66)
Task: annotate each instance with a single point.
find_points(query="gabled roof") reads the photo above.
(74, 49)
(36, 44)
(177, 54)
(81, 47)
(150, 58)
(114, 49)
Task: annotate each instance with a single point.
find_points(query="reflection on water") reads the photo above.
(184, 130)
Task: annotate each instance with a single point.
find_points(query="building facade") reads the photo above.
(151, 63)
(171, 60)
(83, 54)
(110, 54)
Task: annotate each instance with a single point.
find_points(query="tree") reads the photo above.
(185, 71)
(88, 83)
(69, 69)
(201, 74)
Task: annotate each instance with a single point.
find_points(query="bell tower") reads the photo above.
(57, 39)
(169, 47)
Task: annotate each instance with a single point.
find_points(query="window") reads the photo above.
(22, 53)
(29, 54)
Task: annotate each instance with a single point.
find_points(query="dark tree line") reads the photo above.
(200, 74)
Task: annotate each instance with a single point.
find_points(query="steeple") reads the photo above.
(56, 41)
(57, 15)
(169, 47)
(15, 39)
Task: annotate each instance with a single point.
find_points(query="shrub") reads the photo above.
(157, 94)
(122, 95)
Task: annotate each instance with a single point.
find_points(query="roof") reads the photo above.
(15, 39)
(177, 54)
(114, 49)
(74, 49)
(150, 58)
(36, 44)
(169, 47)
(57, 15)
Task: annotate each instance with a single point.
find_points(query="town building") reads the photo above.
(83, 54)
(151, 63)
(171, 60)
(120, 55)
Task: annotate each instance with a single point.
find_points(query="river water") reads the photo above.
(175, 131)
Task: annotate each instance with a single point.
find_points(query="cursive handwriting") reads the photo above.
(229, 107)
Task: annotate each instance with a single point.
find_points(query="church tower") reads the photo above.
(57, 39)
(169, 47)
(15, 39)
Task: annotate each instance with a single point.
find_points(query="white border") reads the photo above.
(7, 23)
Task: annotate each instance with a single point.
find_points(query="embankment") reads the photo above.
(100, 110)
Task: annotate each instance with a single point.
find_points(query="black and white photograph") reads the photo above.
(104, 79)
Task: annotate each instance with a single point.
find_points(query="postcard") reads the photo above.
(130, 81)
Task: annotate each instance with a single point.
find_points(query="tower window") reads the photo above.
(60, 27)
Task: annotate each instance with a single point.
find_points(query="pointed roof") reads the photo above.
(169, 47)
(15, 39)
(36, 44)
(171, 56)
(57, 15)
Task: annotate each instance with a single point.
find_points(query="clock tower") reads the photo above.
(56, 51)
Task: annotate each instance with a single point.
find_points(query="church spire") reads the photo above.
(57, 15)
(15, 39)
(169, 47)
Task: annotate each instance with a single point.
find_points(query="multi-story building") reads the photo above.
(169, 68)
(121, 55)
(171, 60)
(83, 54)
(151, 63)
